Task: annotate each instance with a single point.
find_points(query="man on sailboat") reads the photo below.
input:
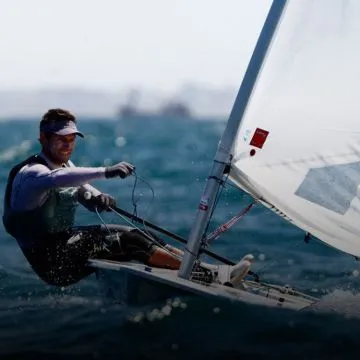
(41, 197)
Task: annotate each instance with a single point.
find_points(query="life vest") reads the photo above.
(55, 215)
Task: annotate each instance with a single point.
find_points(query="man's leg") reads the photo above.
(60, 262)
(163, 259)
(149, 249)
(126, 243)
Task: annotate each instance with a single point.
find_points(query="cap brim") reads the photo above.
(68, 131)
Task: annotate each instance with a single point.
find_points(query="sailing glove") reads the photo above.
(104, 202)
(122, 169)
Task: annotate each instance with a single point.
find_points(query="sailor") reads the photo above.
(41, 198)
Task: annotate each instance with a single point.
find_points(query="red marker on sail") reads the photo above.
(259, 138)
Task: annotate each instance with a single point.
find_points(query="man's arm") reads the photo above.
(86, 188)
(86, 202)
(33, 182)
(41, 177)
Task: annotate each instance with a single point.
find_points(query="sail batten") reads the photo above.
(298, 145)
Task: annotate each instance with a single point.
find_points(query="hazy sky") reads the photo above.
(113, 44)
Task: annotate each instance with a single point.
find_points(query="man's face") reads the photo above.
(61, 147)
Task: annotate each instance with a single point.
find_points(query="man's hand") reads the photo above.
(103, 202)
(122, 169)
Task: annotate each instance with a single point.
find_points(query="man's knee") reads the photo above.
(137, 245)
(132, 243)
(150, 236)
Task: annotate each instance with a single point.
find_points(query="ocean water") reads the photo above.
(173, 159)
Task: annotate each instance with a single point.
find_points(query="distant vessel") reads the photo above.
(127, 111)
(174, 109)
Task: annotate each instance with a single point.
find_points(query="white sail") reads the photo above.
(298, 146)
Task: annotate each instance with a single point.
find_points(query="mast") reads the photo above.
(222, 157)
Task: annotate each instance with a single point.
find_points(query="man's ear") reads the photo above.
(43, 138)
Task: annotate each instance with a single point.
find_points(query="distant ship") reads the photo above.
(174, 109)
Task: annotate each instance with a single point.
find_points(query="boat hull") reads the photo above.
(138, 284)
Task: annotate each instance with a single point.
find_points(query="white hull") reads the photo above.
(135, 284)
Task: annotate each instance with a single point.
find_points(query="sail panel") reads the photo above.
(298, 146)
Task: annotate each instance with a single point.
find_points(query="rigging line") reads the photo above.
(102, 220)
(218, 195)
(134, 203)
(152, 192)
(148, 236)
(215, 256)
(152, 199)
(227, 225)
(172, 235)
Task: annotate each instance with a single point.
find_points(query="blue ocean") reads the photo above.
(173, 159)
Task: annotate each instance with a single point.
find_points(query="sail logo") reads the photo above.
(259, 138)
(332, 187)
